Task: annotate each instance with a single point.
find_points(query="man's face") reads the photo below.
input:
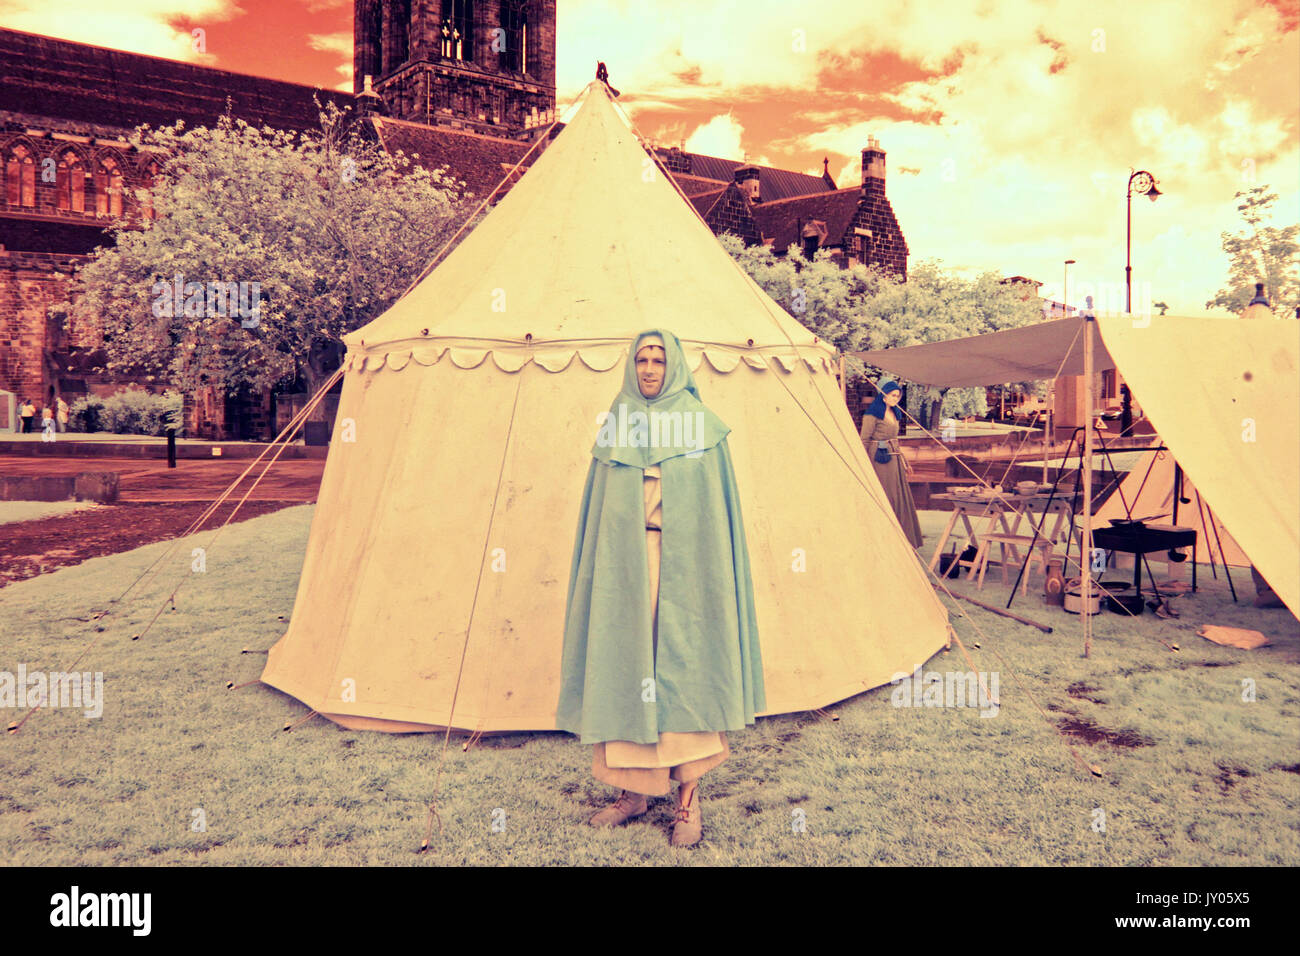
(651, 363)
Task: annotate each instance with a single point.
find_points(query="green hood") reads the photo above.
(639, 431)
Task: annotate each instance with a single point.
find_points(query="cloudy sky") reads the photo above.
(1010, 126)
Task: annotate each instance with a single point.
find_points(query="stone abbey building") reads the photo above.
(466, 83)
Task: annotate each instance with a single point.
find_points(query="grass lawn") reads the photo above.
(1192, 773)
(11, 511)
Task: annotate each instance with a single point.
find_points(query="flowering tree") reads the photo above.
(863, 308)
(1260, 253)
(265, 248)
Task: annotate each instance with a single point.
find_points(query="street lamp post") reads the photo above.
(1144, 184)
(1065, 290)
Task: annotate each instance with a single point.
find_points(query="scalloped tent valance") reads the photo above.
(598, 358)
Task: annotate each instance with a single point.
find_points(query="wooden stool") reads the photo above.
(1040, 552)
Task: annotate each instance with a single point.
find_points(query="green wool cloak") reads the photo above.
(707, 671)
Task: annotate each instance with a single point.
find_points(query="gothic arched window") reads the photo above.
(70, 183)
(514, 21)
(108, 187)
(20, 177)
(457, 33)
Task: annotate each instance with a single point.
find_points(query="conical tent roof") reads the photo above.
(591, 241)
(433, 590)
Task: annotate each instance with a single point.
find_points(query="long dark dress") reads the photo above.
(892, 476)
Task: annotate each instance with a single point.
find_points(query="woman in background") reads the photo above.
(880, 435)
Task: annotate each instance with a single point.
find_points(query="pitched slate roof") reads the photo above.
(692, 185)
(102, 92)
(703, 202)
(773, 183)
(782, 220)
(480, 161)
(97, 91)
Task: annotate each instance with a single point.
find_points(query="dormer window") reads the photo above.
(813, 234)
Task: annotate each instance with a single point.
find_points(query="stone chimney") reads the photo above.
(747, 179)
(677, 160)
(873, 168)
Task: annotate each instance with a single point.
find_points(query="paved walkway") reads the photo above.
(295, 480)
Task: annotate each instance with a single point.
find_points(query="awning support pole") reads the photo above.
(1085, 559)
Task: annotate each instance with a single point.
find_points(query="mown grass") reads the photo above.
(1213, 780)
(11, 511)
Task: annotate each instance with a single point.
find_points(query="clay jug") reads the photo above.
(1054, 584)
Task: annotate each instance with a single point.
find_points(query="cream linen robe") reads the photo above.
(650, 768)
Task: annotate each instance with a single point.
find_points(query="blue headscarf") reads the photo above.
(878, 406)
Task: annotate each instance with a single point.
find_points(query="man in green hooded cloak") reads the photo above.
(661, 652)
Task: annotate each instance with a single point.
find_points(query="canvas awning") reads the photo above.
(1039, 351)
(1224, 395)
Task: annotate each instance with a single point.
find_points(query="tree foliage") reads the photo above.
(330, 227)
(863, 308)
(1260, 253)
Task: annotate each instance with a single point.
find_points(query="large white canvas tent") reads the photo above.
(433, 590)
(1223, 394)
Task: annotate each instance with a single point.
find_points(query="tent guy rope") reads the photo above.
(469, 624)
(282, 441)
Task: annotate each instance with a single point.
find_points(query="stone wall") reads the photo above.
(731, 214)
(886, 244)
(29, 283)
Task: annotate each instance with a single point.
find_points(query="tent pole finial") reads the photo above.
(602, 74)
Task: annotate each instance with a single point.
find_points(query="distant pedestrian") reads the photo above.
(47, 423)
(880, 425)
(61, 413)
(28, 412)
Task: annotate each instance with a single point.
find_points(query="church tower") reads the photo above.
(481, 65)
